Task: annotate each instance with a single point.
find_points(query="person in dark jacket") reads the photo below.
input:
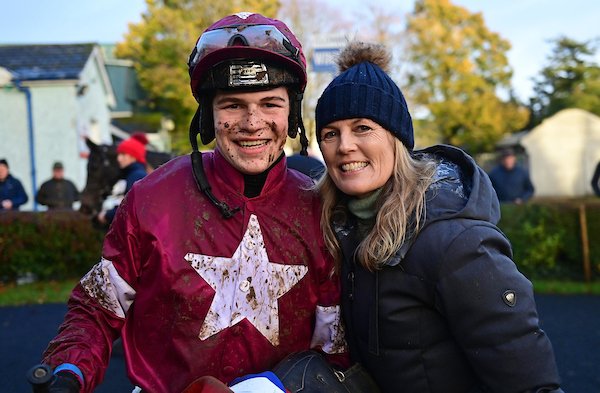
(308, 165)
(131, 156)
(596, 180)
(510, 180)
(12, 193)
(57, 193)
(431, 300)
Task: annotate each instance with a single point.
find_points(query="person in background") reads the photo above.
(308, 165)
(131, 156)
(431, 300)
(510, 180)
(57, 193)
(12, 193)
(596, 180)
(214, 265)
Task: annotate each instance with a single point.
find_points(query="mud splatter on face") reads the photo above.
(226, 124)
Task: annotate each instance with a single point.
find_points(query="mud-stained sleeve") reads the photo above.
(99, 304)
(329, 332)
(329, 329)
(104, 284)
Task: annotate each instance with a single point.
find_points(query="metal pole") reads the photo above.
(31, 141)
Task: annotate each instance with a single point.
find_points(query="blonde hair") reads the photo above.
(401, 207)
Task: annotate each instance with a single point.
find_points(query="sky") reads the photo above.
(527, 24)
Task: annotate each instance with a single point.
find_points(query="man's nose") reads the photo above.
(251, 121)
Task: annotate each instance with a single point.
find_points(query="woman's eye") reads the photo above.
(363, 127)
(327, 135)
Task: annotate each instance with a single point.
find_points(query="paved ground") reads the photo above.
(572, 322)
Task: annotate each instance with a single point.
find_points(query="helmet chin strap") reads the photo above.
(198, 170)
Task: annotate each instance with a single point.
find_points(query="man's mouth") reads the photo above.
(258, 143)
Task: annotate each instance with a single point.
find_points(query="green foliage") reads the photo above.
(160, 46)
(50, 245)
(570, 80)
(458, 69)
(546, 239)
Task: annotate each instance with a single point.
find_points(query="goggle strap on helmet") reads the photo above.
(194, 128)
(198, 170)
(303, 139)
(295, 122)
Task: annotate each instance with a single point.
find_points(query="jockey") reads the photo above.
(214, 265)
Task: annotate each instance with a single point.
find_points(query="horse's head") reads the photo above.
(102, 173)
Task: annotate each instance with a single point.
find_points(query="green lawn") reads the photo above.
(58, 291)
(36, 293)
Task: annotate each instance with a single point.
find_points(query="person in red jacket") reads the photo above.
(131, 157)
(214, 264)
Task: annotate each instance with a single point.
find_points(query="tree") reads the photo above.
(570, 80)
(315, 23)
(458, 70)
(160, 46)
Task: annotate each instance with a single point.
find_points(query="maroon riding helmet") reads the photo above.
(251, 52)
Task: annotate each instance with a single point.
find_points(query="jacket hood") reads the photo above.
(461, 190)
(464, 190)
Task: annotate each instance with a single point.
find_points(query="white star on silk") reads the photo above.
(247, 285)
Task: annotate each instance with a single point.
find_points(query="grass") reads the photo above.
(58, 291)
(566, 287)
(36, 293)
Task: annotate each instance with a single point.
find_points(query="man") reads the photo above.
(57, 193)
(131, 157)
(214, 265)
(12, 193)
(596, 180)
(510, 180)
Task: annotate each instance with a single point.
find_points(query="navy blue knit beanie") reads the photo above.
(364, 89)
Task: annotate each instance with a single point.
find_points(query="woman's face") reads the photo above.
(359, 154)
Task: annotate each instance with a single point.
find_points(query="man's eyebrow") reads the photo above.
(274, 98)
(223, 99)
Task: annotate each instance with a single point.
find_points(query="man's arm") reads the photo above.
(20, 197)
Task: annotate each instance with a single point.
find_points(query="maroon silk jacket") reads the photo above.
(194, 294)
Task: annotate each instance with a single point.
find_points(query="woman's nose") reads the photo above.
(347, 142)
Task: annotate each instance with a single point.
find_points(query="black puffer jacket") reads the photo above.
(449, 312)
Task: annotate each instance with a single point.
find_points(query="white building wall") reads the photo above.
(14, 137)
(56, 139)
(563, 152)
(63, 114)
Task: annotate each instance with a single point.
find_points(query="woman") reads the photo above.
(432, 301)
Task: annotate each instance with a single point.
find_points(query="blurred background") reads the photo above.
(481, 75)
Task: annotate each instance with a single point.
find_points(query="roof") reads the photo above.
(45, 62)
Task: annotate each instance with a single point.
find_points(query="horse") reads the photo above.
(103, 172)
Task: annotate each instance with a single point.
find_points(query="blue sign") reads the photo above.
(323, 60)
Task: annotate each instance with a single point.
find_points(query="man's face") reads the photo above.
(3, 172)
(509, 161)
(58, 173)
(251, 127)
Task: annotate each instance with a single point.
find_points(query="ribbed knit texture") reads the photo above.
(366, 91)
(365, 208)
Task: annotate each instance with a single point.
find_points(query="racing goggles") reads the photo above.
(265, 37)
